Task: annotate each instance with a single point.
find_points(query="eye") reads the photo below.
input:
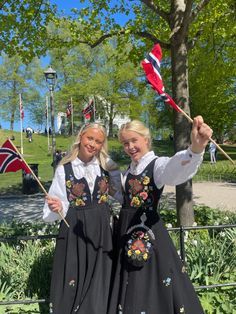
(99, 142)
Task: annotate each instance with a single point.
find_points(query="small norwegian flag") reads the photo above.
(10, 160)
(87, 111)
(69, 110)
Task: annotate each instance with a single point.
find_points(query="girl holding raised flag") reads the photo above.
(150, 277)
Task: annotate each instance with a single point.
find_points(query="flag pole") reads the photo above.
(94, 109)
(72, 117)
(21, 135)
(36, 178)
(47, 124)
(218, 146)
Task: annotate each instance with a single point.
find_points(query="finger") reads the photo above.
(197, 122)
(205, 131)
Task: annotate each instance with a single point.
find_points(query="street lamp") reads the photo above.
(51, 78)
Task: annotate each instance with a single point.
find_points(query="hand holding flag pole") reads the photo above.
(151, 65)
(11, 161)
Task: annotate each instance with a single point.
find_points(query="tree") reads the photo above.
(15, 79)
(84, 72)
(23, 27)
(176, 25)
(212, 88)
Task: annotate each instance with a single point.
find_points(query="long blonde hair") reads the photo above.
(138, 127)
(105, 161)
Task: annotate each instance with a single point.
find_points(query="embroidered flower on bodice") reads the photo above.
(77, 193)
(103, 189)
(138, 190)
(77, 196)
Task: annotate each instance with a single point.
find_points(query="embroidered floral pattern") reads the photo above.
(167, 281)
(184, 269)
(139, 247)
(77, 195)
(139, 190)
(72, 283)
(103, 190)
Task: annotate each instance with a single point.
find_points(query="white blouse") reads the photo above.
(168, 170)
(89, 171)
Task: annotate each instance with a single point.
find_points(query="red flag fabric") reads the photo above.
(10, 160)
(151, 65)
(69, 110)
(88, 110)
(22, 114)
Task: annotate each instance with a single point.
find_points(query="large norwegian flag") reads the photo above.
(151, 65)
(10, 160)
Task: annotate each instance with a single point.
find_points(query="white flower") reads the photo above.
(169, 225)
(195, 224)
(222, 234)
(186, 236)
(194, 242)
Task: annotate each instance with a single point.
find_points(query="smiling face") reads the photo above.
(91, 142)
(135, 145)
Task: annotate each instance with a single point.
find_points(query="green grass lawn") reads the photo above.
(37, 152)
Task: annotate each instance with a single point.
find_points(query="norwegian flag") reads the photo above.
(10, 160)
(87, 111)
(69, 110)
(151, 65)
(22, 114)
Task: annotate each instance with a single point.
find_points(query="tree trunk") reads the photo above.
(182, 127)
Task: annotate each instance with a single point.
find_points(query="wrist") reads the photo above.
(196, 149)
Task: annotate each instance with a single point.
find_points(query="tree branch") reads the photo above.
(150, 4)
(186, 18)
(193, 41)
(143, 34)
(198, 9)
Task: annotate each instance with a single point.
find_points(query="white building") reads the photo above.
(119, 119)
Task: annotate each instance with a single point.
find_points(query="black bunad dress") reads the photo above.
(162, 285)
(82, 261)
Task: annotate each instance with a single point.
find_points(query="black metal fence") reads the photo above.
(181, 230)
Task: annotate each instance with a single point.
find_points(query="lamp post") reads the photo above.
(51, 78)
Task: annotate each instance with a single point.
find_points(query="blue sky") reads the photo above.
(66, 6)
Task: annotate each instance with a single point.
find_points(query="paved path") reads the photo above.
(220, 195)
(212, 194)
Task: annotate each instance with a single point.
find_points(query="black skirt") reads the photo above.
(162, 285)
(83, 262)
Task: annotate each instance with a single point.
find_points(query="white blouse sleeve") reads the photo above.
(57, 189)
(177, 169)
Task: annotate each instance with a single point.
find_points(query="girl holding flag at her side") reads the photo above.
(83, 256)
(150, 277)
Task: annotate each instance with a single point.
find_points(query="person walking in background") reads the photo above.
(150, 277)
(212, 151)
(29, 134)
(83, 256)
